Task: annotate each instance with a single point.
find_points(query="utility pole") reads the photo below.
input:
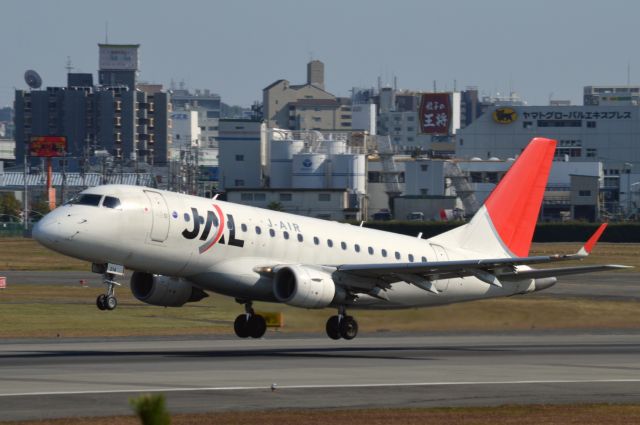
(25, 201)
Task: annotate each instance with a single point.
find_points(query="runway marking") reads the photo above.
(323, 386)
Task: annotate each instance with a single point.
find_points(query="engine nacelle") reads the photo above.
(164, 291)
(303, 286)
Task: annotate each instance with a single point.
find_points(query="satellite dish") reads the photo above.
(33, 79)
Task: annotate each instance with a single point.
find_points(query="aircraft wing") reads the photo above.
(491, 271)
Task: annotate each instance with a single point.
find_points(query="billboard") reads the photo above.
(48, 146)
(119, 56)
(435, 113)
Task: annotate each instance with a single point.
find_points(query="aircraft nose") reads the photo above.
(46, 230)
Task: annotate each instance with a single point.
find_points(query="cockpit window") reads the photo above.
(86, 199)
(111, 202)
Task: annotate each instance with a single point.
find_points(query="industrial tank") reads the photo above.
(308, 171)
(348, 171)
(282, 152)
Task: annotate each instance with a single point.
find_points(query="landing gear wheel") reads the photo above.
(101, 302)
(110, 302)
(348, 327)
(240, 326)
(257, 326)
(333, 327)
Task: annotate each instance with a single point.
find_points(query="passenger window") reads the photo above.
(423, 259)
(411, 258)
(316, 240)
(272, 233)
(111, 202)
(343, 245)
(329, 243)
(356, 247)
(258, 230)
(370, 251)
(384, 252)
(243, 227)
(285, 234)
(397, 255)
(300, 238)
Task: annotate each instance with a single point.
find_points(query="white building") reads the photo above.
(607, 134)
(185, 130)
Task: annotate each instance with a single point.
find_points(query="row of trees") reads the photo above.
(11, 208)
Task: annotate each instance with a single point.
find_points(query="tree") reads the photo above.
(151, 409)
(9, 206)
(275, 206)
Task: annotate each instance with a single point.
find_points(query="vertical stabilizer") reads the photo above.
(504, 225)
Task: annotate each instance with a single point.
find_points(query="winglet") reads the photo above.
(591, 243)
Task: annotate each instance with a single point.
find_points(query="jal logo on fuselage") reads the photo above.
(214, 220)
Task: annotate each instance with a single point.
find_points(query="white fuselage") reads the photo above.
(222, 247)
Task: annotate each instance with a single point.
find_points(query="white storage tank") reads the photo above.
(336, 147)
(282, 152)
(308, 171)
(348, 171)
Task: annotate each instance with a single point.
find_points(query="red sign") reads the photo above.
(48, 146)
(435, 113)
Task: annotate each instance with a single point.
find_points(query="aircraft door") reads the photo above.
(440, 255)
(160, 216)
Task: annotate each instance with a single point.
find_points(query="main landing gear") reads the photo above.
(342, 326)
(249, 324)
(109, 301)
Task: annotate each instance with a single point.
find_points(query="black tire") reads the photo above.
(241, 326)
(348, 327)
(101, 302)
(110, 303)
(257, 326)
(333, 327)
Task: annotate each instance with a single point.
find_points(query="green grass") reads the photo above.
(70, 311)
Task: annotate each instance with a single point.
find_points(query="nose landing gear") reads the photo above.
(108, 301)
(342, 326)
(249, 324)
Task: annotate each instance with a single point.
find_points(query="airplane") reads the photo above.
(181, 246)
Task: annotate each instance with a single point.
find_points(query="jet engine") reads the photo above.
(305, 287)
(164, 291)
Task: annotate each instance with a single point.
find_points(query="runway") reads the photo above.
(44, 379)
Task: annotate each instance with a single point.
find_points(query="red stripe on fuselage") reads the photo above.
(220, 229)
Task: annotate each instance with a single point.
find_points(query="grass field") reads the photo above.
(27, 254)
(596, 414)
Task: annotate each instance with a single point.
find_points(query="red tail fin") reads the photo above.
(514, 205)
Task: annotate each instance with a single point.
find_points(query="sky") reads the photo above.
(540, 49)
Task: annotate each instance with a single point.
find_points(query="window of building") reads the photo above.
(343, 245)
(316, 119)
(584, 193)
(316, 240)
(258, 230)
(411, 129)
(285, 197)
(246, 196)
(371, 251)
(527, 124)
(259, 197)
(384, 252)
(410, 139)
(300, 238)
(424, 192)
(238, 182)
(410, 118)
(424, 167)
(324, 197)
(272, 233)
(329, 243)
(243, 227)
(398, 256)
(591, 124)
(356, 247)
(285, 234)
(239, 157)
(592, 153)
(461, 142)
(213, 114)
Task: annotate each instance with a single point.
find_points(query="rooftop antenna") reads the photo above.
(68, 65)
(106, 32)
(434, 86)
(628, 74)
(455, 85)
(32, 78)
